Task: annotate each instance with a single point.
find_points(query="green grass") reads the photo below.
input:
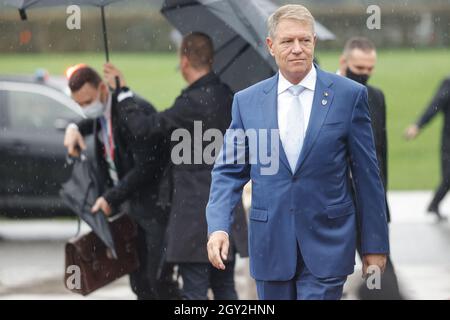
(408, 78)
(153, 76)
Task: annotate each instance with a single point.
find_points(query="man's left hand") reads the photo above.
(103, 205)
(378, 260)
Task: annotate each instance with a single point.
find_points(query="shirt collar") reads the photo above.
(308, 82)
(107, 112)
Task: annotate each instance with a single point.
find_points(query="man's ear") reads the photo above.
(184, 62)
(342, 65)
(103, 86)
(269, 43)
(104, 91)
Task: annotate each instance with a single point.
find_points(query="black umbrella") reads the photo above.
(80, 194)
(22, 5)
(238, 29)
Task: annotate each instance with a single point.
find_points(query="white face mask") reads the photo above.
(94, 110)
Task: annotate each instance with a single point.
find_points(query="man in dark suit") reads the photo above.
(205, 104)
(131, 172)
(358, 63)
(440, 103)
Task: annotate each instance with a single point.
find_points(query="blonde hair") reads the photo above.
(290, 11)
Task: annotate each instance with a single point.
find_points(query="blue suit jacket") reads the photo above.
(313, 207)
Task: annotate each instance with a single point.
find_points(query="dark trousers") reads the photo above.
(444, 187)
(199, 277)
(440, 193)
(389, 284)
(153, 280)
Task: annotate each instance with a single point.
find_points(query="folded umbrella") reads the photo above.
(80, 192)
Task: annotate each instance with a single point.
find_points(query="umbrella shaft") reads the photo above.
(105, 34)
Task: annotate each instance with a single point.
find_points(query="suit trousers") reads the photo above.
(304, 286)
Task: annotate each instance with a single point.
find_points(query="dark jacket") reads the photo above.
(440, 103)
(207, 100)
(140, 167)
(377, 110)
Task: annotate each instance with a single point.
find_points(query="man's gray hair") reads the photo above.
(290, 11)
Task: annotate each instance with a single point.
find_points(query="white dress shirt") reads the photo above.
(106, 133)
(285, 99)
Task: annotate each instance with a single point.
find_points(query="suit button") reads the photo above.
(291, 209)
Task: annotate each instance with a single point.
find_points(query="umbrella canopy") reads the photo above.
(238, 29)
(80, 194)
(25, 4)
(22, 5)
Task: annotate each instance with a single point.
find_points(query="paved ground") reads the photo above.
(31, 256)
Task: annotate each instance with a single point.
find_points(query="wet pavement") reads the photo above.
(32, 256)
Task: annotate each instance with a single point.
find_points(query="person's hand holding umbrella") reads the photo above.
(74, 141)
(110, 73)
(102, 205)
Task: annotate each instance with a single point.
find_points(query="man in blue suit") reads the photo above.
(303, 223)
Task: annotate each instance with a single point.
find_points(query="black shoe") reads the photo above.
(435, 210)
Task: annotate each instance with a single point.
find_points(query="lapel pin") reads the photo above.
(324, 102)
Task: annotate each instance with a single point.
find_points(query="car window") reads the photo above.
(35, 111)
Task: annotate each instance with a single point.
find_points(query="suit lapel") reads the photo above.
(323, 99)
(269, 105)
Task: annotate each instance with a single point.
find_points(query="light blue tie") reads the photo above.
(294, 133)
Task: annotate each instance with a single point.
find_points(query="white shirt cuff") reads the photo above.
(72, 126)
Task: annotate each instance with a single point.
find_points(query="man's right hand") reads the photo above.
(110, 72)
(74, 141)
(412, 132)
(218, 246)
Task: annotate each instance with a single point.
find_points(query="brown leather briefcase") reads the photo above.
(89, 264)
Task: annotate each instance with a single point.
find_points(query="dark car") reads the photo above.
(34, 112)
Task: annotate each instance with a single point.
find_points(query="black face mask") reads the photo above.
(360, 78)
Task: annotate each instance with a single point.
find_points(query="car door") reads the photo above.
(10, 180)
(33, 143)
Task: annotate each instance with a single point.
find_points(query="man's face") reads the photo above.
(293, 48)
(88, 94)
(359, 62)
